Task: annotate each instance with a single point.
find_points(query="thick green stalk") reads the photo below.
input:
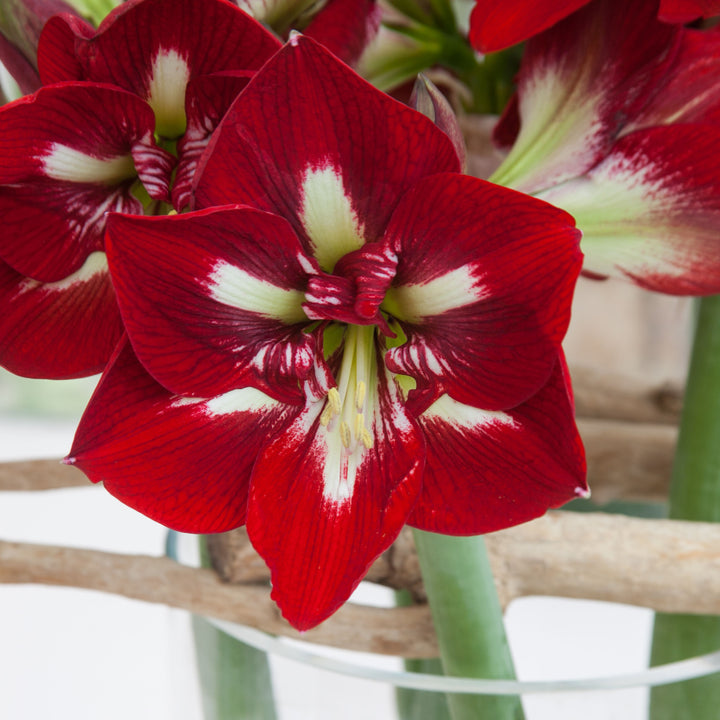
(694, 495)
(468, 621)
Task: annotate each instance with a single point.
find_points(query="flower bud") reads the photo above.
(427, 99)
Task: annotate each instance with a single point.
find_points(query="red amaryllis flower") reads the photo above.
(613, 118)
(171, 53)
(367, 339)
(498, 24)
(77, 149)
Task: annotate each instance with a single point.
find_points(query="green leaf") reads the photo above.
(694, 495)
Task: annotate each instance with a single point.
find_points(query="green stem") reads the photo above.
(468, 621)
(694, 495)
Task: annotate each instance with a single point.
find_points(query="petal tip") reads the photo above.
(583, 492)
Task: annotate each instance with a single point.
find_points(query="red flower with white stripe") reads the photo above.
(359, 338)
(613, 118)
(157, 75)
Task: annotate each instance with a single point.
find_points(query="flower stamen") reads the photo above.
(348, 400)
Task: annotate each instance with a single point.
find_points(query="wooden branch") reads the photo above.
(40, 475)
(666, 565)
(161, 580)
(612, 396)
(627, 460)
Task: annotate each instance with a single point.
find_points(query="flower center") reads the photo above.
(349, 406)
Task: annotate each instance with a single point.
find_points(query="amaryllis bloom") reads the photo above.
(613, 118)
(359, 337)
(498, 24)
(187, 59)
(158, 75)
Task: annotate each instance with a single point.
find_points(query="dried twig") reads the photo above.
(669, 566)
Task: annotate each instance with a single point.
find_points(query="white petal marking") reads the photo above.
(328, 217)
(246, 399)
(166, 83)
(65, 163)
(96, 264)
(622, 214)
(452, 290)
(233, 286)
(466, 416)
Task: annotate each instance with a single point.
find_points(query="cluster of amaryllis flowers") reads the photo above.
(308, 319)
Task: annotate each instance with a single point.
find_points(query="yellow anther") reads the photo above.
(345, 434)
(359, 425)
(333, 397)
(366, 438)
(332, 407)
(360, 396)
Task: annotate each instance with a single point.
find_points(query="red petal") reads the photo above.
(143, 39)
(683, 11)
(318, 524)
(71, 153)
(293, 122)
(487, 471)
(21, 70)
(58, 330)
(580, 82)
(484, 317)
(650, 212)
(212, 300)
(688, 92)
(345, 27)
(497, 24)
(207, 99)
(57, 50)
(184, 463)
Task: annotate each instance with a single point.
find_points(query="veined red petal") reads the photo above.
(319, 513)
(483, 289)
(185, 463)
(688, 92)
(212, 300)
(498, 24)
(650, 212)
(58, 330)
(154, 47)
(207, 99)
(345, 27)
(58, 59)
(580, 82)
(70, 154)
(284, 147)
(486, 471)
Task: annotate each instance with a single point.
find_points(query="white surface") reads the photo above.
(75, 654)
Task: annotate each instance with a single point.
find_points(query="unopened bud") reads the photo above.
(427, 99)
